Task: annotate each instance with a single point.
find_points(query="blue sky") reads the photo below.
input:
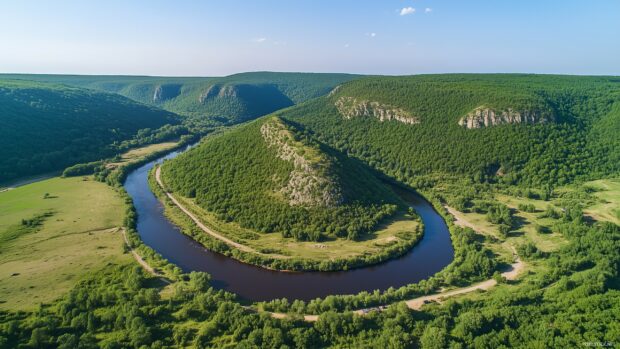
(209, 38)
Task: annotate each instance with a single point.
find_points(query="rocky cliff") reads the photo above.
(485, 117)
(220, 91)
(210, 92)
(350, 107)
(309, 183)
(166, 92)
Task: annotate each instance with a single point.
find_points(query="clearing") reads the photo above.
(608, 207)
(80, 236)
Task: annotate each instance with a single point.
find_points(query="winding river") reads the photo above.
(430, 255)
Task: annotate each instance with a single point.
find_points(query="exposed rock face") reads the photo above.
(333, 91)
(221, 91)
(212, 91)
(157, 94)
(307, 185)
(485, 117)
(166, 92)
(350, 107)
(228, 91)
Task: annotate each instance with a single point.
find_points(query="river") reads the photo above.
(432, 253)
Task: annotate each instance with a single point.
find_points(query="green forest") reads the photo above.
(51, 122)
(210, 100)
(47, 127)
(574, 301)
(582, 142)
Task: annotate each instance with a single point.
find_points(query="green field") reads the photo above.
(608, 193)
(139, 153)
(80, 236)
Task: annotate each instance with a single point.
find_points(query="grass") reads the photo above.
(55, 231)
(603, 204)
(139, 153)
(39, 263)
(527, 220)
(387, 234)
(523, 232)
(608, 194)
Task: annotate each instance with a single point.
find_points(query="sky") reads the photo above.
(395, 37)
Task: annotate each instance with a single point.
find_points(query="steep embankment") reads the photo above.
(269, 177)
(221, 100)
(527, 129)
(47, 127)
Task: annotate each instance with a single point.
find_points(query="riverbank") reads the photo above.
(510, 274)
(156, 233)
(391, 240)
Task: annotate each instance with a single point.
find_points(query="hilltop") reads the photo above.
(269, 177)
(47, 127)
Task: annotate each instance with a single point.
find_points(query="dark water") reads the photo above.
(429, 256)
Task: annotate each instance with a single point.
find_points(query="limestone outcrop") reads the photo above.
(350, 107)
(486, 117)
(309, 183)
(210, 92)
(165, 92)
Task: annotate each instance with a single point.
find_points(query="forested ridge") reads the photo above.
(210, 100)
(581, 141)
(240, 178)
(47, 127)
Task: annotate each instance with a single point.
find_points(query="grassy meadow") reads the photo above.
(42, 262)
(608, 193)
(139, 153)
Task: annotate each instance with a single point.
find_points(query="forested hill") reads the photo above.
(269, 177)
(530, 129)
(47, 127)
(220, 100)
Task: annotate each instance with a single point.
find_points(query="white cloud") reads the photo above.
(346, 45)
(372, 35)
(260, 40)
(407, 11)
(428, 10)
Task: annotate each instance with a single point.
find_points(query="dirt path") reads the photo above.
(416, 303)
(195, 219)
(141, 261)
(510, 273)
(458, 219)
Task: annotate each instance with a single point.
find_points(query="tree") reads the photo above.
(434, 338)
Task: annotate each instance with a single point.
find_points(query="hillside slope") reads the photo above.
(528, 129)
(269, 177)
(48, 127)
(221, 100)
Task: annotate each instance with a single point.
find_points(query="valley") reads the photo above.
(424, 202)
